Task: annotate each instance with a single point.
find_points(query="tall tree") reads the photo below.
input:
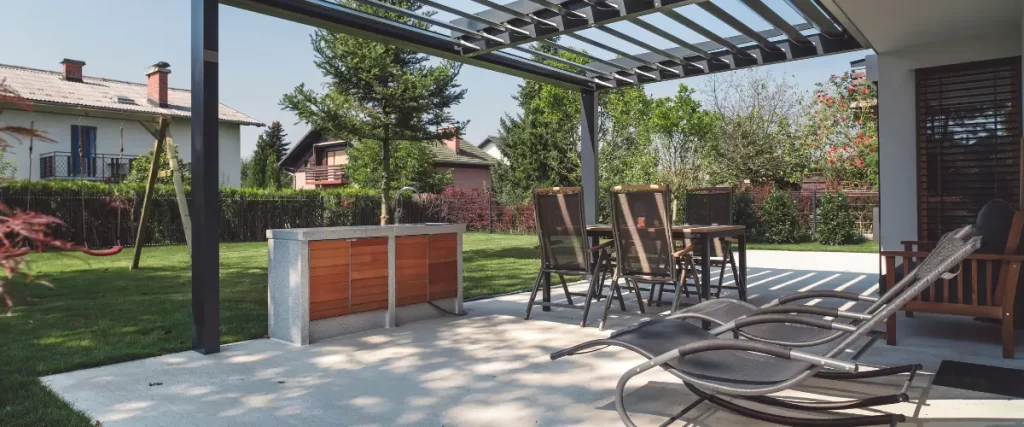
(760, 128)
(684, 135)
(377, 92)
(412, 165)
(263, 170)
(540, 144)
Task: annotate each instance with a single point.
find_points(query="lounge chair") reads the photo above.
(714, 368)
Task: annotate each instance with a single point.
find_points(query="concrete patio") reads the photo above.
(491, 368)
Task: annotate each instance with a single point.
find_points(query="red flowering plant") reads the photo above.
(843, 134)
(25, 232)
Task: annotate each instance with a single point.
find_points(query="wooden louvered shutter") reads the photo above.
(968, 141)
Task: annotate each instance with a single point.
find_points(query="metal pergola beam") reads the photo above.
(205, 178)
(333, 17)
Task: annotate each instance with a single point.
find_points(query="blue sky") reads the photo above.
(262, 58)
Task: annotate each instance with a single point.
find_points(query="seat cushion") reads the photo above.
(735, 368)
(726, 310)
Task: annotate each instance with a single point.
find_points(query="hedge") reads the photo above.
(103, 215)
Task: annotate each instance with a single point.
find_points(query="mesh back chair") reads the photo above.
(642, 232)
(565, 248)
(713, 206)
(725, 371)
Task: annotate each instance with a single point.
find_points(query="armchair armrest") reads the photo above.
(600, 247)
(974, 256)
(685, 251)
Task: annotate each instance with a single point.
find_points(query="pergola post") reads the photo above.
(588, 153)
(205, 179)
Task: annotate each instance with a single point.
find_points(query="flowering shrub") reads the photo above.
(836, 225)
(844, 132)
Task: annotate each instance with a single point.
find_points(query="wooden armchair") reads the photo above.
(986, 287)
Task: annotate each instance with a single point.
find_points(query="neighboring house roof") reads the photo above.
(468, 155)
(48, 87)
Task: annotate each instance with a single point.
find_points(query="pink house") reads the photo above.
(319, 162)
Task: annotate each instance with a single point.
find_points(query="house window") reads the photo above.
(83, 151)
(968, 141)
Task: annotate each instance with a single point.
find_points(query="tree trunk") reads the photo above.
(385, 181)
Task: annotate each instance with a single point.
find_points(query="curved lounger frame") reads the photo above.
(848, 421)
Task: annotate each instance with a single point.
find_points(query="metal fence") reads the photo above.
(862, 204)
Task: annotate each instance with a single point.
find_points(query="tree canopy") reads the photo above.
(377, 92)
(262, 170)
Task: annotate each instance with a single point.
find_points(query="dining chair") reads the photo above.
(713, 206)
(644, 247)
(565, 249)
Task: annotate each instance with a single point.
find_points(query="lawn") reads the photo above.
(867, 246)
(100, 313)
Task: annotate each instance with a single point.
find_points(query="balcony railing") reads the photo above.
(325, 175)
(97, 167)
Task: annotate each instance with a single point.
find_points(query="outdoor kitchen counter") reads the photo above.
(331, 281)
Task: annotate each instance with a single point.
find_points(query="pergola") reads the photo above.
(499, 38)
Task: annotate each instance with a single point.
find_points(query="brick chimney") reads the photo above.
(73, 69)
(453, 142)
(156, 83)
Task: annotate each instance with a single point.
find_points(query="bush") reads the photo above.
(744, 212)
(780, 222)
(836, 225)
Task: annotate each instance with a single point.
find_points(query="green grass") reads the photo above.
(100, 313)
(866, 246)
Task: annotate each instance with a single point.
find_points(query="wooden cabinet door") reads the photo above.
(329, 279)
(369, 274)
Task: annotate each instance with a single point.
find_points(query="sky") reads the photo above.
(262, 57)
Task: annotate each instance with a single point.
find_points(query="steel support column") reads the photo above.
(205, 179)
(588, 154)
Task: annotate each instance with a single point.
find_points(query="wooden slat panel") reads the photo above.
(329, 279)
(327, 309)
(369, 274)
(444, 272)
(412, 267)
(974, 282)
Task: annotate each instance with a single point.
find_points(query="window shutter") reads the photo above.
(968, 141)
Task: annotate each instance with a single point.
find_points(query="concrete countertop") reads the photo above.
(352, 232)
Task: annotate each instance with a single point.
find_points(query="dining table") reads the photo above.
(704, 236)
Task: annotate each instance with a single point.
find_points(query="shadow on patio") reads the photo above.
(491, 368)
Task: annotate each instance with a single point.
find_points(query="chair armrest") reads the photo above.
(685, 251)
(975, 256)
(600, 247)
(731, 240)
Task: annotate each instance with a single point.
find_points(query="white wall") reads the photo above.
(136, 141)
(492, 149)
(897, 122)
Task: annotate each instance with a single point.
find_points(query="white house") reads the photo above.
(95, 123)
(490, 146)
(949, 106)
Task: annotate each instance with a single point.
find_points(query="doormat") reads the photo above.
(982, 378)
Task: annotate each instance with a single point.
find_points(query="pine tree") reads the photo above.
(377, 92)
(264, 171)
